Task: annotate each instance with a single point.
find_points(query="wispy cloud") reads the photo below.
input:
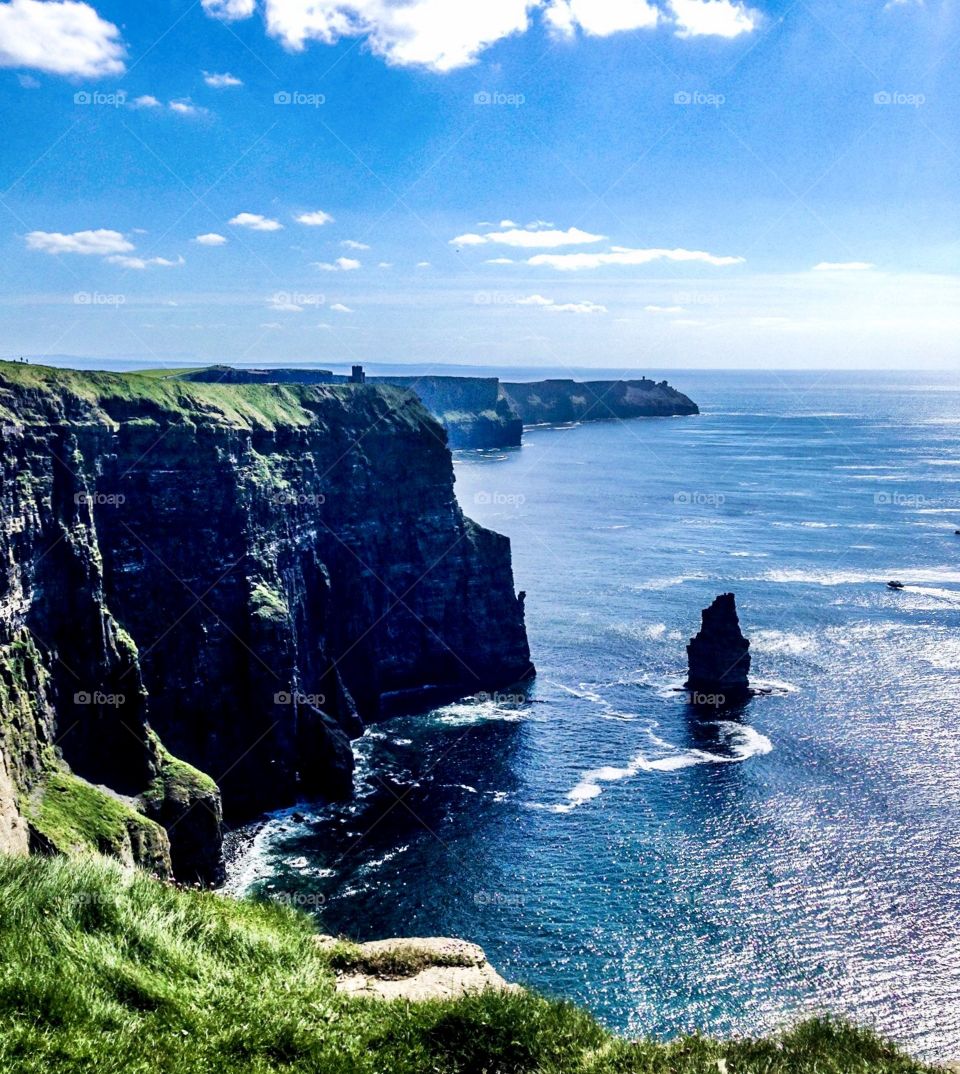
(342, 264)
(623, 255)
(255, 222)
(544, 239)
(317, 218)
(88, 243)
(211, 239)
(221, 81)
(843, 266)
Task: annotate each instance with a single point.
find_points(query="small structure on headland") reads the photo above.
(357, 375)
(719, 656)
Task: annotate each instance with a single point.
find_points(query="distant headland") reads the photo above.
(485, 412)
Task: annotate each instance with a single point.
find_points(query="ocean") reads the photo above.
(673, 870)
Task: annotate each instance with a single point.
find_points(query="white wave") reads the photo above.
(782, 641)
(742, 741)
(852, 577)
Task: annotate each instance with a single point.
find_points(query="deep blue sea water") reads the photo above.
(671, 871)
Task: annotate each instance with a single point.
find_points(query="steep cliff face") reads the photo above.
(474, 410)
(231, 578)
(550, 401)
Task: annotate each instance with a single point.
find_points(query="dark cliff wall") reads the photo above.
(550, 401)
(254, 570)
(473, 410)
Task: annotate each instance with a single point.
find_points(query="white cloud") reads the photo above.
(622, 255)
(28, 82)
(559, 307)
(185, 107)
(144, 263)
(98, 243)
(229, 9)
(441, 35)
(601, 17)
(339, 307)
(342, 264)
(843, 266)
(211, 239)
(146, 101)
(499, 261)
(716, 18)
(223, 81)
(436, 34)
(536, 239)
(255, 222)
(664, 309)
(385, 264)
(63, 38)
(508, 223)
(315, 219)
(577, 307)
(351, 244)
(423, 264)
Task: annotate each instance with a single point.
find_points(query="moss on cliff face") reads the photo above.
(68, 815)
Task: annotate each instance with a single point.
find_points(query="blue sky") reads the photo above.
(566, 182)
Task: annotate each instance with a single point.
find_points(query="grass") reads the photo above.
(76, 816)
(106, 971)
(156, 399)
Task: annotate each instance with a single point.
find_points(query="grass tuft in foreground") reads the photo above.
(107, 971)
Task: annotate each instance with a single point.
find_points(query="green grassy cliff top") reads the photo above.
(28, 391)
(109, 971)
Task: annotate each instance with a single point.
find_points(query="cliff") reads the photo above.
(481, 412)
(554, 401)
(230, 580)
(474, 410)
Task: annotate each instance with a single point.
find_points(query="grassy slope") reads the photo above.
(102, 971)
(243, 406)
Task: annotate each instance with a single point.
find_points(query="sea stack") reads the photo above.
(719, 656)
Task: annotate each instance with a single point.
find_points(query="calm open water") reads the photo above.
(666, 870)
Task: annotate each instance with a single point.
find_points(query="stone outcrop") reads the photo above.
(439, 968)
(719, 655)
(210, 588)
